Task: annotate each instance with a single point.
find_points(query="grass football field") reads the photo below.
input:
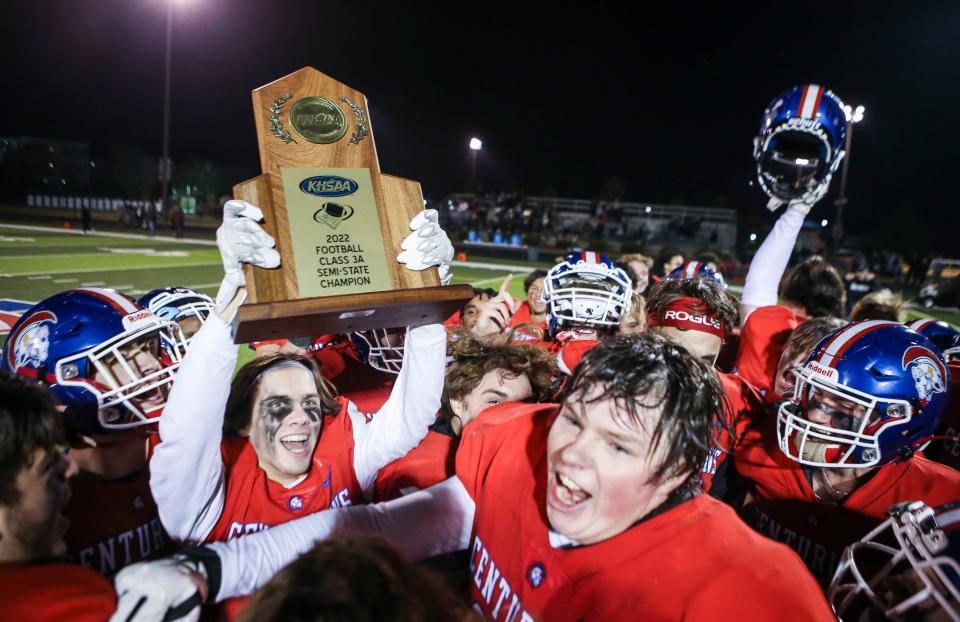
(36, 262)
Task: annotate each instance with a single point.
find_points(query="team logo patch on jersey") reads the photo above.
(295, 503)
(536, 574)
(31, 341)
(928, 372)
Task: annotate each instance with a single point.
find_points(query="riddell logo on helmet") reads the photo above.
(137, 317)
(683, 316)
(821, 370)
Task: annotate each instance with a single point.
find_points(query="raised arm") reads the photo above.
(402, 422)
(770, 262)
(186, 469)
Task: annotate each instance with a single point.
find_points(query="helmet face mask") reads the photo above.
(869, 393)
(129, 375)
(586, 290)
(186, 307)
(106, 360)
(902, 569)
(833, 426)
(382, 348)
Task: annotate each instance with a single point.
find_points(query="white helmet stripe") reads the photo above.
(808, 104)
(919, 325)
(847, 335)
(119, 301)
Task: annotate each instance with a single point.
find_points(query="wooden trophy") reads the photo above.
(338, 222)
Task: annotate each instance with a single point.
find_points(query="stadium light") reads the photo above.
(824, 222)
(753, 237)
(648, 209)
(854, 116)
(475, 145)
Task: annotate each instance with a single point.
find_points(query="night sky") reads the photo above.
(563, 95)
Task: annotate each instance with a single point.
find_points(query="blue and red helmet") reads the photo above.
(586, 289)
(907, 568)
(696, 270)
(943, 335)
(180, 305)
(870, 393)
(101, 355)
(801, 141)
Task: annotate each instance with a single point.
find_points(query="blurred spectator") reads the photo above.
(860, 281)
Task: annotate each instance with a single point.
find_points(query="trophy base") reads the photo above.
(310, 317)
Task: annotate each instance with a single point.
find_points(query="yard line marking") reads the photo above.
(153, 267)
(39, 277)
(93, 284)
(64, 280)
(110, 234)
(498, 279)
(121, 288)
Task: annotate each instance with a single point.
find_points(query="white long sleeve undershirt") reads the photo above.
(187, 473)
(436, 520)
(770, 262)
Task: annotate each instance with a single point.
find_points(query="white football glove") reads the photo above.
(164, 589)
(427, 246)
(241, 240)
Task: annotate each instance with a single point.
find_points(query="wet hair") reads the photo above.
(473, 358)
(28, 422)
(651, 371)
(648, 262)
(243, 389)
(809, 333)
(816, 286)
(531, 278)
(879, 305)
(717, 300)
(360, 578)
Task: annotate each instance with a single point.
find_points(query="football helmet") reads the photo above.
(101, 355)
(586, 288)
(943, 335)
(180, 304)
(801, 141)
(869, 393)
(909, 564)
(382, 348)
(696, 269)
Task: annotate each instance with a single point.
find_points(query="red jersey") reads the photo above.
(114, 523)
(54, 592)
(762, 339)
(429, 463)
(254, 502)
(696, 561)
(746, 406)
(781, 505)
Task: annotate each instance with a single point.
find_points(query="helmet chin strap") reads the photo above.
(820, 452)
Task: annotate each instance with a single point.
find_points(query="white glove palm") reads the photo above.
(165, 589)
(427, 246)
(241, 240)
